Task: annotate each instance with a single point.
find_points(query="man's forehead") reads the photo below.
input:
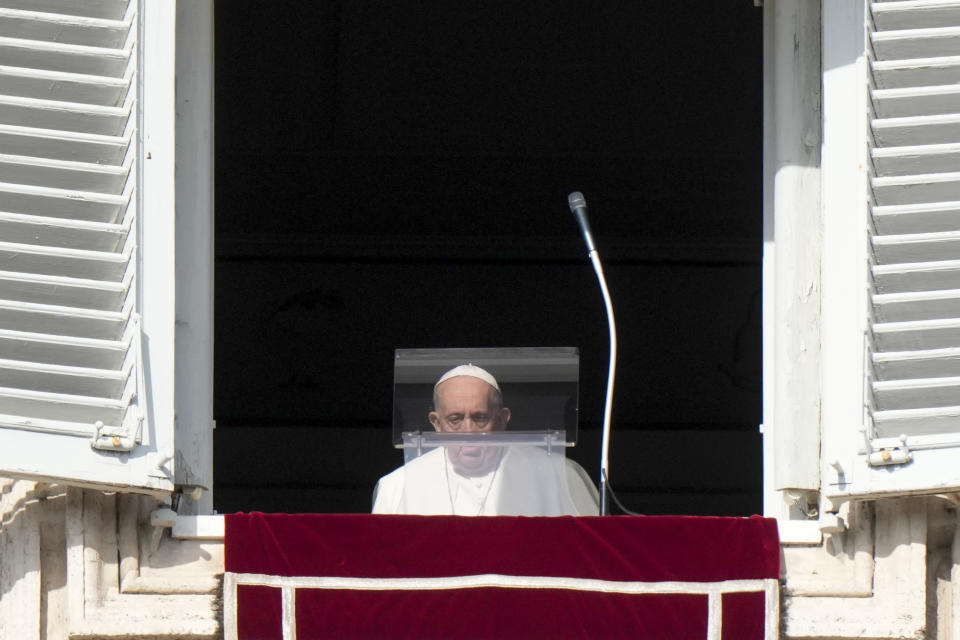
(451, 393)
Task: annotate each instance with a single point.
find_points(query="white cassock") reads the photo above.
(527, 482)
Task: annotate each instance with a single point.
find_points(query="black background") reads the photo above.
(394, 175)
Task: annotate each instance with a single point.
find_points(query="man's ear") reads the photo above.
(434, 418)
(505, 416)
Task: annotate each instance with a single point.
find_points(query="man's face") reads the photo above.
(465, 404)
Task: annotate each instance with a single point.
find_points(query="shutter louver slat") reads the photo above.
(69, 174)
(914, 247)
(60, 114)
(66, 203)
(66, 145)
(65, 350)
(66, 58)
(58, 27)
(61, 378)
(922, 72)
(62, 291)
(68, 107)
(931, 363)
(907, 44)
(58, 232)
(915, 222)
(102, 9)
(921, 218)
(63, 87)
(915, 14)
(915, 101)
(921, 130)
(900, 307)
(916, 188)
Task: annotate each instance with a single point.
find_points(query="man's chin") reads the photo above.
(474, 461)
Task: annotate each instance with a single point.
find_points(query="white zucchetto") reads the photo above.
(471, 370)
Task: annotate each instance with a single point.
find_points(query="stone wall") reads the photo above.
(77, 563)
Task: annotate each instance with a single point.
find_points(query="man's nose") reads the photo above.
(472, 425)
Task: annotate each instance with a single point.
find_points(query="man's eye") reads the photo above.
(480, 418)
(455, 419)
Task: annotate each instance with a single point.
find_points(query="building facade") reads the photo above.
(106, 118)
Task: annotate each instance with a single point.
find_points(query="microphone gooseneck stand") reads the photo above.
(578, 206)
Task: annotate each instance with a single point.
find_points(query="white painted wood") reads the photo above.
(157, 234)
(62, 379)
(791, 229)
(29, 291)
(930, 419)
(68, 58)
(845, 237)
(66, 145)
(77, 234)
(92, 265)
(773, 505)
(69, 29)
(915, 14)
(194, 267)
(66, 350)
(916, 276)
(935, 333)
(67, 174)
(917, 217)
(60, 406)
(86, 242)
(63, 86)
(915, 101)
(924, 129)
(102, 9)
(918, 72)
(913, 305)
(923, 363)
(900, 44)
(921, 392)
(916, 247)
(60, 114)
(66, 203)
(906, 405)
(913, 159)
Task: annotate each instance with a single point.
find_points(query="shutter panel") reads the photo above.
(913, 344)
(72, 384)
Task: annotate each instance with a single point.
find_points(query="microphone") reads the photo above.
(578, 206)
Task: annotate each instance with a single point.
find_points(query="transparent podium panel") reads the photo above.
(538, 387)
(487, 474)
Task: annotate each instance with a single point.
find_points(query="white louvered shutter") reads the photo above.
(74, 401)
(911, 437)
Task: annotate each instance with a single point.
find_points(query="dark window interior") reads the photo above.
(394, 175)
